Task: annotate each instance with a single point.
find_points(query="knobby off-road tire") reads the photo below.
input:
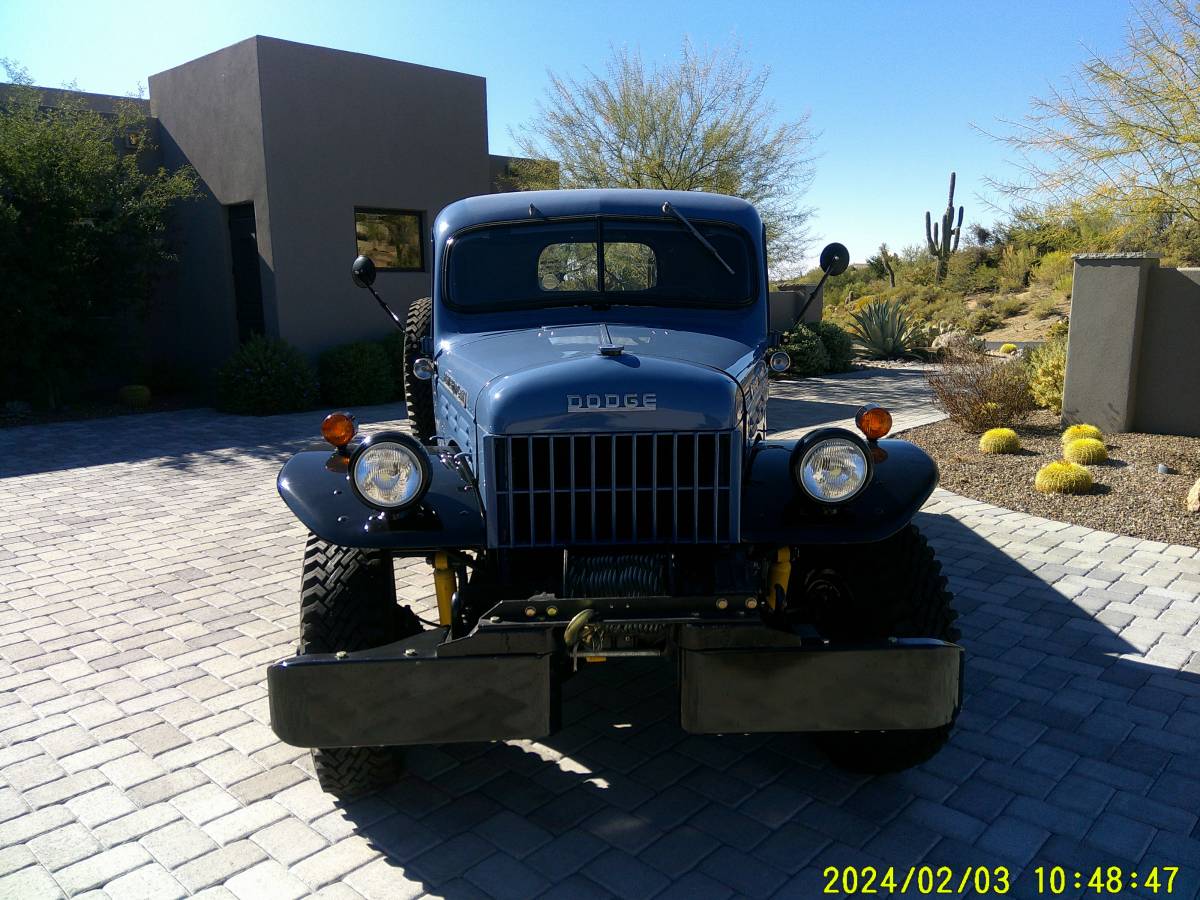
(418, 394)
(348, 602)
(897, 590)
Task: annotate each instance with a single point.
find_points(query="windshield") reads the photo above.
(598, 262)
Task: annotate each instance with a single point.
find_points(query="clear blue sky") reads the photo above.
(892, 87)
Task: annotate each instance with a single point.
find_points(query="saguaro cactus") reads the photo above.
(885, 257)
(945, 242)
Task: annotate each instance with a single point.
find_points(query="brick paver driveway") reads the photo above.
(148, 573)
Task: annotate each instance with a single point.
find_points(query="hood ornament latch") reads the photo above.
(608, 347)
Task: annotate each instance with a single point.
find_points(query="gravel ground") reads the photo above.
(1129, 496)
(915, 364)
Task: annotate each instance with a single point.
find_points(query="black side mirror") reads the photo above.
(363, 271)
(835, 259)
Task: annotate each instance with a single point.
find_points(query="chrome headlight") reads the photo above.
(833, 469)
(391, 471)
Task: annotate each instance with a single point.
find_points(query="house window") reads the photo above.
(393, 239)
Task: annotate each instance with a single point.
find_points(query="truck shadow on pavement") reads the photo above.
(1074, 748)
(182, 440)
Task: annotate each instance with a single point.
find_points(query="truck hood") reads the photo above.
(555, 379)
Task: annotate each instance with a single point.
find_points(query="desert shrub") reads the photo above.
(1086, 451)
(1013, 271)
(1008, 348)
(917, 265)
(928, 302)
(884, 330)
(980, 321)
(1063, 477)
(135, 396)
(978, 392)
(839, 345)
(1046, 307)
(809, 356)
(1064, 284)
(393, 346)
(1007, 307)
(968, 272)
(956, 339)
(266, 376)
(358, 374)
(999, 440)
(1052, 267)
(1079, 432)
(1060, 329)
(1047, 368)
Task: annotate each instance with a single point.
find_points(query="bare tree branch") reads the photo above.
(1123, 131)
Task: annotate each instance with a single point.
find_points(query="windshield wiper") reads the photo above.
(669, 210)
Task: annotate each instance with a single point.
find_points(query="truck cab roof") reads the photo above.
(510, 207)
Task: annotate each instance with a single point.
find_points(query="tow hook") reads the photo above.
(575, 626)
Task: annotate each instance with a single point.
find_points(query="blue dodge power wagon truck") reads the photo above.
(589, 480)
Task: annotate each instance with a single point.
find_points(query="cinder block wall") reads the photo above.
(1132, 361)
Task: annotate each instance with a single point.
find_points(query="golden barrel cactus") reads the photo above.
(999, 440)
(1063, 477)
(1075, 432)
(1008, 349)
(1086, 451)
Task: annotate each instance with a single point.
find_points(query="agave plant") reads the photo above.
(883, 330)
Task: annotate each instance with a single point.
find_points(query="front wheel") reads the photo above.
(891, 589)
(348, 602)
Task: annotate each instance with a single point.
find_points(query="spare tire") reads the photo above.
(418, 394)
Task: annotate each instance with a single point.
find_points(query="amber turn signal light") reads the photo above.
(874, 421)
(338, 428)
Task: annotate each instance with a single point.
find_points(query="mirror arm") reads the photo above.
(387, 309)
(812, 296)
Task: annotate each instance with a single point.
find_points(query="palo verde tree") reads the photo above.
(83, 222)
(702, 122)
(1122, 132)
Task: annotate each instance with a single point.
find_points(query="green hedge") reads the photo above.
(358, 374)
(266, 376)
(393, 346)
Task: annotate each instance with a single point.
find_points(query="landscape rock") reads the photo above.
(1193, 498)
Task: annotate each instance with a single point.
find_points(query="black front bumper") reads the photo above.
(499, 683)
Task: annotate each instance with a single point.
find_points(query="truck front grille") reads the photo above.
(660, 487)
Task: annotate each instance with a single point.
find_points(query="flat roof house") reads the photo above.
(307, 157)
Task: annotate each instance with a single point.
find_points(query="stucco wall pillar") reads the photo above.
(785, 306)
(1108, 301)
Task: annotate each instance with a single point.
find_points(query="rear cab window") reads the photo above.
(597, 261)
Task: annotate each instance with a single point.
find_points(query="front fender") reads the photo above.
(776, 511)
(315, 485)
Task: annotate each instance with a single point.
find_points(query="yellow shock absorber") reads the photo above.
(443, 585)
(779, 575)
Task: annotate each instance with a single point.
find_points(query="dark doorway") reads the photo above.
(247, 286)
